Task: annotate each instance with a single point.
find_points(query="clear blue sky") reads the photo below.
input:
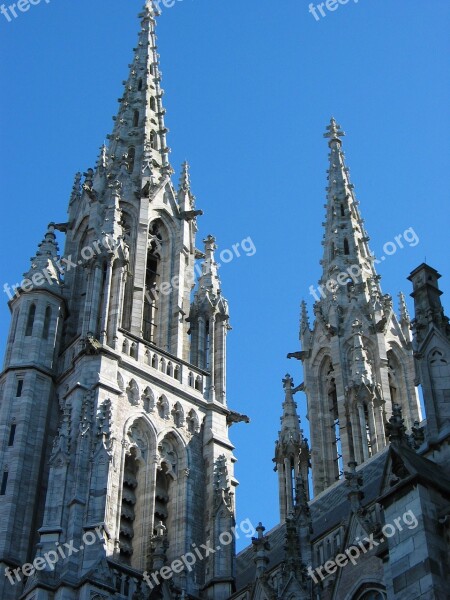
(250, 86)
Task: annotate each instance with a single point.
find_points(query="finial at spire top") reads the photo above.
(334, 131)
(210, 245)
(288, 382)
(150, 9)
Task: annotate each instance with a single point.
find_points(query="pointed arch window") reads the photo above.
(139, 85)
(367, 432)
(332, 251)
(207, 345)
(166, 482)
(346, 247)
(47, 321)
(153, 140)
(135, 118)
(131, 156)
(128, 226)
(19, 388)
(101, 300)
(4, 483)
(333, 408)
(153, 104)
(152, 280)
(342, 211)
(162, 497)
(12, 435)
(30, 320)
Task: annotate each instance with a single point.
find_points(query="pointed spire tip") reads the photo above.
(333, 131)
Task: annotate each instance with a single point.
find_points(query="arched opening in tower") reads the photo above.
(128, 515)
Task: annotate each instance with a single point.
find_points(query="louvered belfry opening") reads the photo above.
(128, 506)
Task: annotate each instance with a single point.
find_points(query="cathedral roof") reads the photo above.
(332, 507)
(328, 510)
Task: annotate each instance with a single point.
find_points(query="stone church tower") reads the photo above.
(357, 357)
(114, 410)
(381, 476)
(116, 467)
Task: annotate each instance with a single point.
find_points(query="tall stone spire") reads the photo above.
(291, 451)
(130, 197)
(346, 243)
(139, 130)
(109, 351)
(357, 356)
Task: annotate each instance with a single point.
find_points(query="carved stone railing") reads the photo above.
(145, 354)
(128, 583)
(149, 356)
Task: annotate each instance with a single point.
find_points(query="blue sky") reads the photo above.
(249, 88)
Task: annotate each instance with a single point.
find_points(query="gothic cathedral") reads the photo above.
(115, 457)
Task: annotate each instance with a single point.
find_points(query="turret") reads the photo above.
(209, 325)
(291, 451)
(29, 406)
(431, 331)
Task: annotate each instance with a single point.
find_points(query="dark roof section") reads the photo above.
(425, 470)
(328, 509)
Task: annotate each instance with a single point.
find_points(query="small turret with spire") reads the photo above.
(291, 451)
(46, 262)
(209, 324)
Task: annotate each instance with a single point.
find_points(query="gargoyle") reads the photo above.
(235, 417)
